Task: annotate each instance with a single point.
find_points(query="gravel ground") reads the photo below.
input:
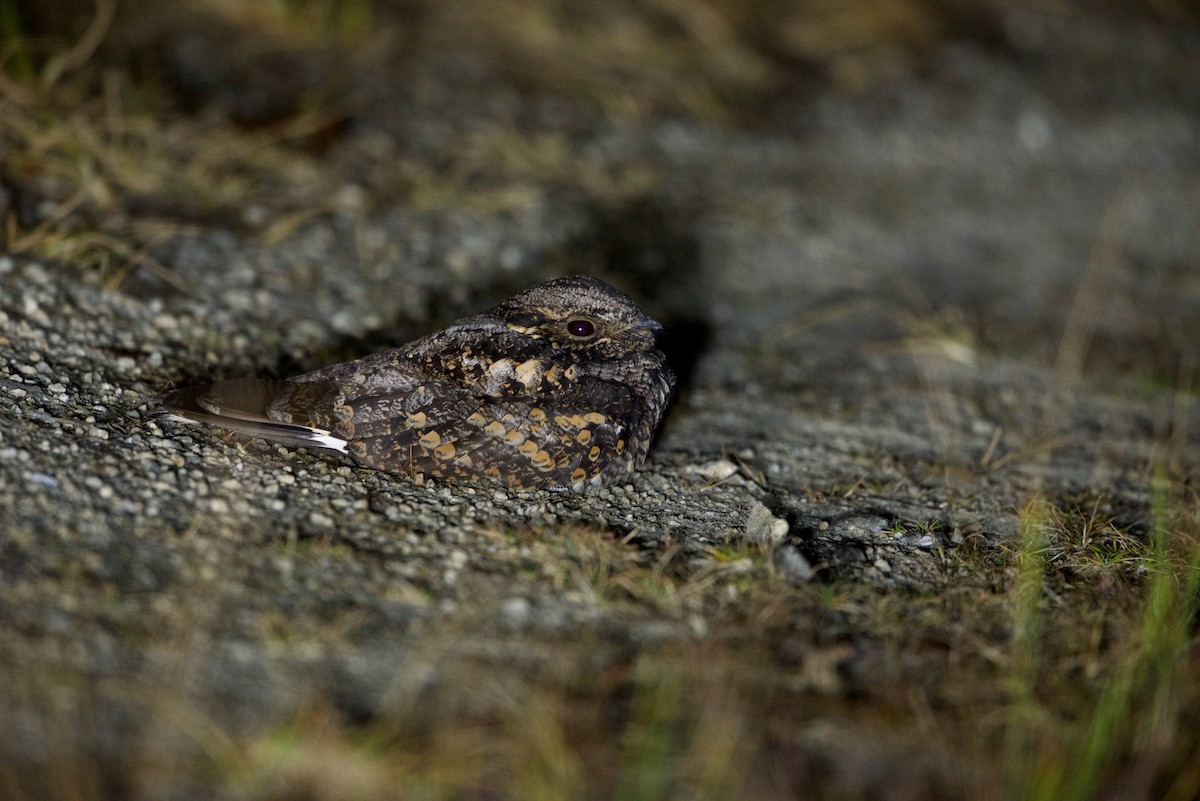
(899, 316)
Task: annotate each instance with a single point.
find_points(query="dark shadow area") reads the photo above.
(649, 251)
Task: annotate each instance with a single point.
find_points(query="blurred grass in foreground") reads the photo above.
(1077, 696)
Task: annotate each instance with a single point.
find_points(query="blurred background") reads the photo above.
(987, 166)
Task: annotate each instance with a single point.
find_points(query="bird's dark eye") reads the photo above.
(581, 328)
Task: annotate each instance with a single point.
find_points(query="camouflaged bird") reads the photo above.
(560, 387)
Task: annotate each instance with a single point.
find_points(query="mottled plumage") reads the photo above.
(559, 387)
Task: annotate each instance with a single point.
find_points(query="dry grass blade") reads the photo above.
(83, 50)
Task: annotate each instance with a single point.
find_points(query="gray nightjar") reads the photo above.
(559, 387)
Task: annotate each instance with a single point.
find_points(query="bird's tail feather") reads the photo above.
(243, 406)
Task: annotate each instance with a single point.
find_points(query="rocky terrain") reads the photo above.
(934, 298)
